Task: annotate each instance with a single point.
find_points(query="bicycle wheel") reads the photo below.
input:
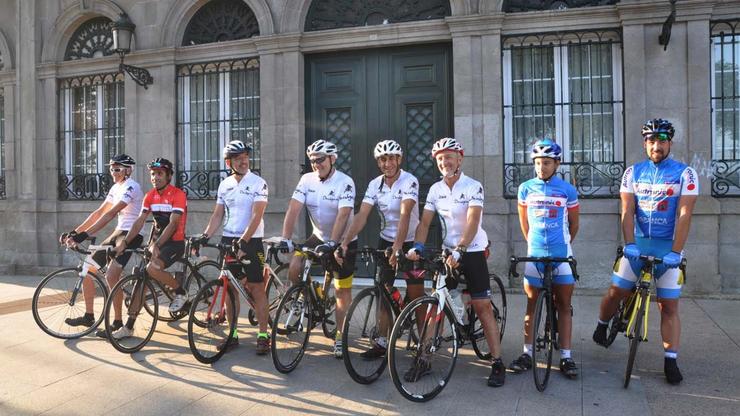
(210, 322)
(617, 324)
(542, 341)
(636, 338)
(291, 329)
(360, 335)
(500, 307)
(52, 305)
(329, 323)
(144, 324)
(275, 289)
(194, 280)
(422, 355)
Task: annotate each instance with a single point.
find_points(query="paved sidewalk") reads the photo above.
(43, 375)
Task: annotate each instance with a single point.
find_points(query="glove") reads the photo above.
(631, 251)
(288, 243)
(79, 237)
(332, 244)
(418, 249)
(456, 255)
(63, 237)
(201, 239)
(672, 259)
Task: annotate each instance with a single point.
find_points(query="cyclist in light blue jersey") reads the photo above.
(548, 216)
(658, 197)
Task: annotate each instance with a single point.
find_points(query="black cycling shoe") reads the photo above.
(102, 333)
(228, 345)
(87, 320)
(599, 336)
(373, 353)
(568, 367)
(418, 370)
(498, 374)
(672, 373)
(521, 364)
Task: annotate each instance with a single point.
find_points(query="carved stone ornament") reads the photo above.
(220, 21)
(93, 39)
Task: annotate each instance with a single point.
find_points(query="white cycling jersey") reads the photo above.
(238, 198)
(388, 201)
(452, 207)
(129, 192)
(324, 199)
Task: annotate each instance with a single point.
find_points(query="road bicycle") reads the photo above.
(304, 306)
(424, 342)
(212, 321)
(544, 326)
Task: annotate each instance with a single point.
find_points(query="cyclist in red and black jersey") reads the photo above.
(168, 205)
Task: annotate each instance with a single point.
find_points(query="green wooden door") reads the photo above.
(355, 99)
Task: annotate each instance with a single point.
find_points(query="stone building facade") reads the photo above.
(282, 73)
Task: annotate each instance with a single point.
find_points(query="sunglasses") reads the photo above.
(663, 137)
(318, 160)
(116, 170)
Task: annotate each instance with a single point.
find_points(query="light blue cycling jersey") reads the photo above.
(657, 189)
(547, 205)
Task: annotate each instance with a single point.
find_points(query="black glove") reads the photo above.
(201, 239)
(63, 237)
(79, 237)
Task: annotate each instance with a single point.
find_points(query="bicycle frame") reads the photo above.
(643, 287)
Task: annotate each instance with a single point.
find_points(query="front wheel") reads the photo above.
(329, 323)
(60, 299)
(137, 294)
(368, 320)
(635, 338)
(618, 323)
(211, 322)
(543, 340)
(422, 354)
(291, 329)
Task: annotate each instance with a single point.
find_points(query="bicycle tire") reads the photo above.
(498, 303)
(404, 352)
(143, 327)
(210, 327)
(290, 335)
(616, 324)
(500, 306)
(48, 302)
(329, 321)
(635, 340)
(274, 289)
(359, 334)
(542, 341)
(192, 283)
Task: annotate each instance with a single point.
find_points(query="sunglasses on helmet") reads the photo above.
(663, 137)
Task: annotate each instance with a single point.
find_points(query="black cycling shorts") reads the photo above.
(171, 252)
(255, 253)
(388, 273)
(474, 268)
(348, 266)
(101, 256)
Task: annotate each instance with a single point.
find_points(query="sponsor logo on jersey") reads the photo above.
(655, 190)
(348, 188)
(653, 220)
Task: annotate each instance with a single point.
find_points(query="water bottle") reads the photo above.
(397, 298)
(319, 290)
(456, 302)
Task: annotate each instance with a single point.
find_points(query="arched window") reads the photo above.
(221, 21)
(530, 5)
(334, 14)
(93, 39)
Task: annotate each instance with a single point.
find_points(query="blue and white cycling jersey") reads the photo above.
(657, 189)
(547, 205)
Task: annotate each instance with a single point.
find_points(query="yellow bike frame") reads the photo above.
(644, 277)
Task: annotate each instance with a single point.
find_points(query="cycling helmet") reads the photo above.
(656, 126)
(123, 160)
(387, 147)
(160, 163)
(235, 148)
(446, 143)
(322, 147)
(546, 148)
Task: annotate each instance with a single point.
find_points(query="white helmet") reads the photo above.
(387, 147)
(323, 147)
(235, 147)
(447, 143)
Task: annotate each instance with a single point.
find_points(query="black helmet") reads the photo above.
(658, 126)
(123, 160)
(161, 163)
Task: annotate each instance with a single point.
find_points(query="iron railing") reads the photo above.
(591, 180)
(90, 186)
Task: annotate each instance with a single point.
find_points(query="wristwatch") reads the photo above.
(461, 248)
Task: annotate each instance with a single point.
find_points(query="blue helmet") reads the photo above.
(546, 148)
(657, 126)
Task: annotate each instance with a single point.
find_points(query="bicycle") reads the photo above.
(305, 305)
(139, 291)
(211, 321)
(430, 352)
(631, 316)
(59, 296)
(545, 320)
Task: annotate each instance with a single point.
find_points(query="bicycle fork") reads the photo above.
(633, 317)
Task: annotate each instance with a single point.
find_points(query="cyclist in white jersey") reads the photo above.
(458, 200)
(395, 193)
(329, 196)
(124, 203)
(241, 203)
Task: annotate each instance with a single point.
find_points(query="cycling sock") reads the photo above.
(603, 322)
(118, 323)
(89, 315)
(527, 349)
(130, 323)
(671, 354)
(382, 342)
(180, 291)
(564, 354)
(235, 334)
(339, 336)
(262, 335)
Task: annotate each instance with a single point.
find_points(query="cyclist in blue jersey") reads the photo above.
(548, 217)
(658, 197)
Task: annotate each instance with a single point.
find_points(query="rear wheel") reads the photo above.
(329, 323)
(211, 323)
(291, 329)
(144, 324)
(360, 345)
(543, 341)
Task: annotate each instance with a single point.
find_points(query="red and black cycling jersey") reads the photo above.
(162, 205)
